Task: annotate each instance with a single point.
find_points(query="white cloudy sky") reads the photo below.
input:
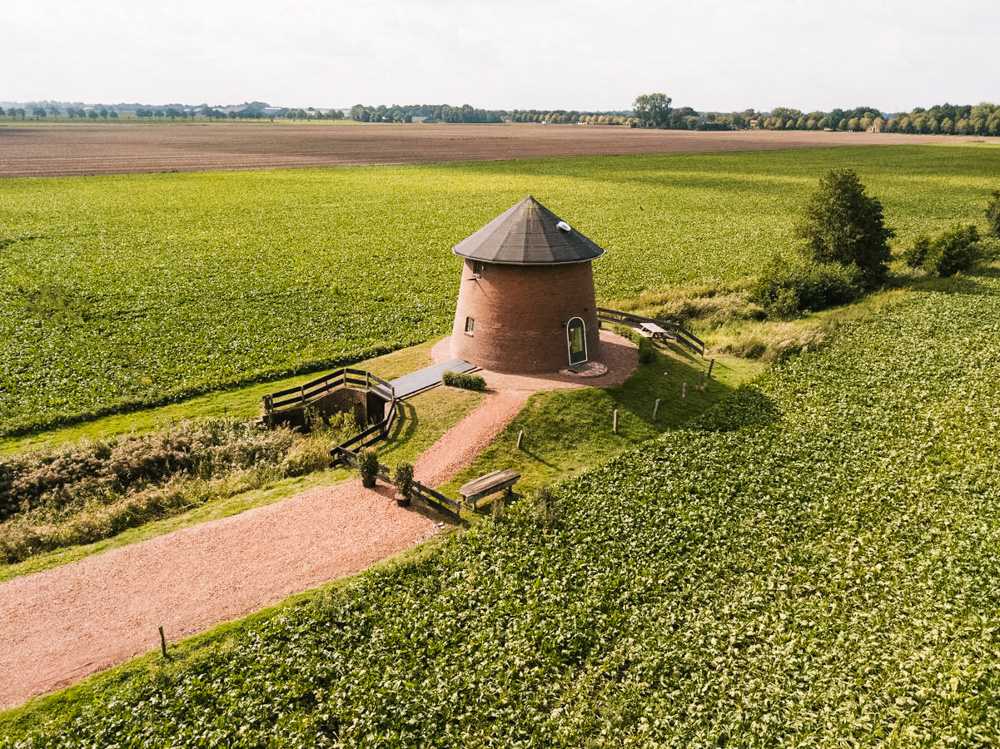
(572, 54)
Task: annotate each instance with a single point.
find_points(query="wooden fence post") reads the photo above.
(520, 437)
(615, 423)
(163, 643)
(656, 407)
(710, 365)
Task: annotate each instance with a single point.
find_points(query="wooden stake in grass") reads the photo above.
(163, 643)
(520, 437)
(656, 407)
(710, 365)
(614, 425)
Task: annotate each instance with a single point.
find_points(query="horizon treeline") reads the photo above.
(981, 119)
(945, 119)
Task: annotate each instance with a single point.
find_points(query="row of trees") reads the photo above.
(251, 110)
(39, 112)
(468, 113)
(437, 112)
(653, 110)
(649, 110)
(945, 119)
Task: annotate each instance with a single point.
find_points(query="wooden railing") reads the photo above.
(375, 432)
(434, 498)
(681, 335)
(304, 394)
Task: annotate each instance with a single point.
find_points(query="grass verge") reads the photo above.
(567, 431)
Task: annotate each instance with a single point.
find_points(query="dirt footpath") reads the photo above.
(57, 627)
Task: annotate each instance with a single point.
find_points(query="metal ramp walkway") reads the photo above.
(417, 382)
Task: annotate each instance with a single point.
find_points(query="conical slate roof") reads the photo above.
(528, 234)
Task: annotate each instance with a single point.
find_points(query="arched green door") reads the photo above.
(576, 339)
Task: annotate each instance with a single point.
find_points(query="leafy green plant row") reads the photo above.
(815, 566)
(123, 292)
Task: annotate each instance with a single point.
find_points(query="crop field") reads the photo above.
(47, 150)
(814, 568)
(119, 292)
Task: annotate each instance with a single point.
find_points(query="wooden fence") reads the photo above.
(304, 394)
(376, 432)
(434, 498)
(683, 336)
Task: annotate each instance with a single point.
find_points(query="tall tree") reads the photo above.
(652, 110)
(843, 224)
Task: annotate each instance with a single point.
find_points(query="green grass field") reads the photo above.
(811, 565)
(818, 569)
(128, 291)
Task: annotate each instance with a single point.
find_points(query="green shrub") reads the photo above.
(463, 380)
(368, 465)
(403, 478)
(952, 251)
(548, 506)
(915, 255)
(844, 225)
(647, 351)
(787, 288)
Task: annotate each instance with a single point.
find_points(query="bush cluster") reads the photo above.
(784, 289)
(954, 250)
(463, 380)
(843, 224)
(647, 351)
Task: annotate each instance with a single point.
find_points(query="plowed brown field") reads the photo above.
(54, 150)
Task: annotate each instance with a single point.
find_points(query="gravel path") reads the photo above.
(59, 626)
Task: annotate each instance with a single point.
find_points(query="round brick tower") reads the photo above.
(526, 303)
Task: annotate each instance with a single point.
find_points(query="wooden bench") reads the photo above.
(488, 484)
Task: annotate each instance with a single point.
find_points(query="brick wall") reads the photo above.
(520, 315)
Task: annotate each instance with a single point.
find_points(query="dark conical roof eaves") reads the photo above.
(528, 233)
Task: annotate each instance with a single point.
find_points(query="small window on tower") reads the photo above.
(469, 323)
(477, 267)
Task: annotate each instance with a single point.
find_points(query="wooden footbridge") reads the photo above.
(376, 391)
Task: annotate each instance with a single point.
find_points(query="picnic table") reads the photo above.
(656, 332)
(487, 484)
